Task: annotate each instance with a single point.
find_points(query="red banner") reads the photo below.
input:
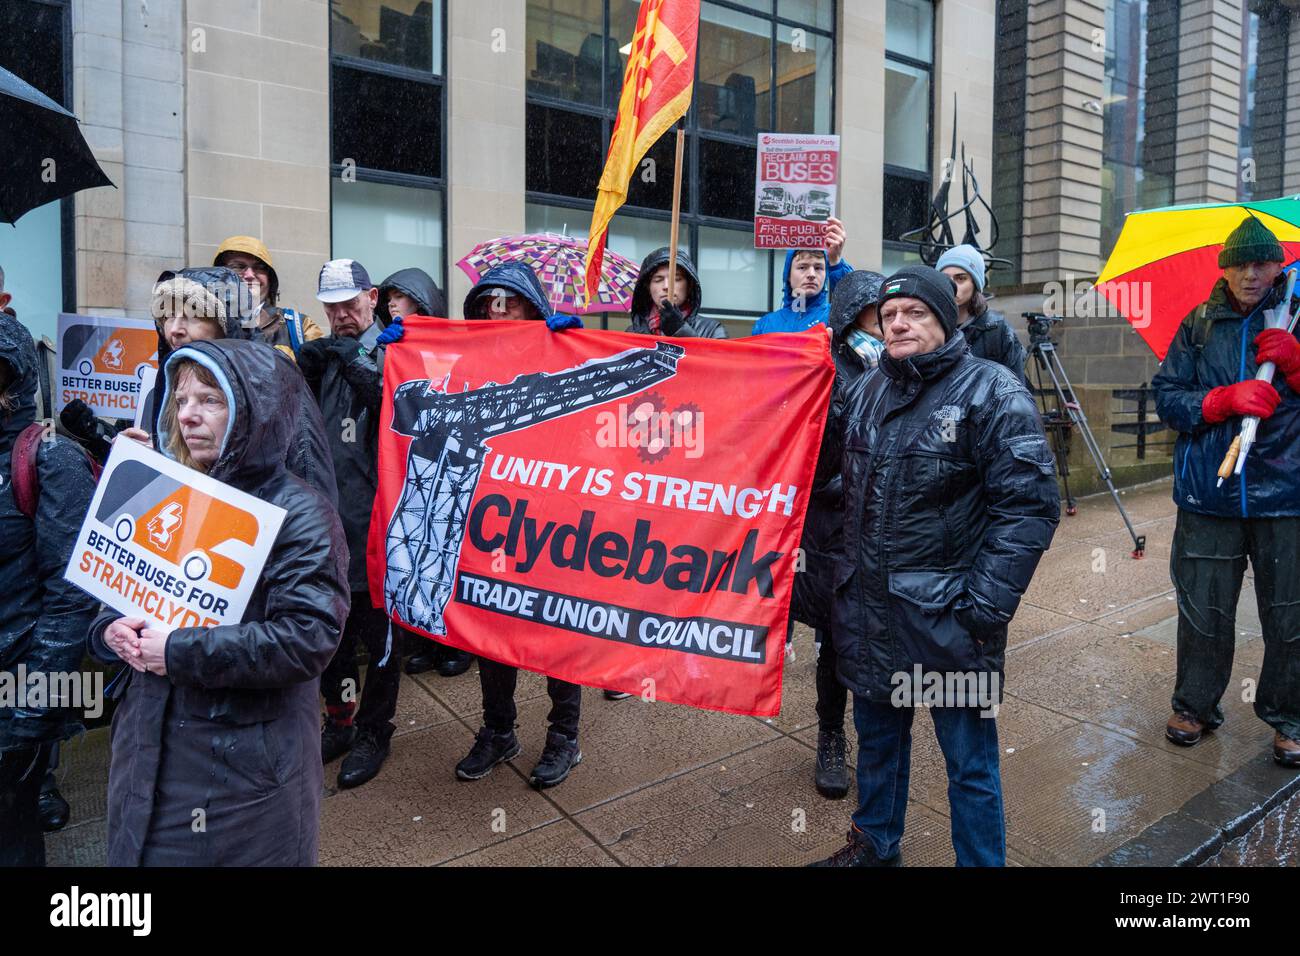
(615, 510)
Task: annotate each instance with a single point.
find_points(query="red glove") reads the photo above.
(1281, 348)
(1244, 398)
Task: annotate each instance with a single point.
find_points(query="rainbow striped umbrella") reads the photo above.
(560, 262)
(1167, 260)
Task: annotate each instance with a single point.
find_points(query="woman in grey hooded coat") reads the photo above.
(216, 741)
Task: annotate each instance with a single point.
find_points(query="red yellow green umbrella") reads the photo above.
(1167, 260)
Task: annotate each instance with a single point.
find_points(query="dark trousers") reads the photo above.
(22, 837)
(368, 626)
(832, 696)
(499, 712)
(1208, 563)
(970, 752)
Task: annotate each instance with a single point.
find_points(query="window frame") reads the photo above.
(904, 172)
(690, 219)
(389, 177)
(68, 204)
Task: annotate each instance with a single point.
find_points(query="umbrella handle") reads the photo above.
(1235, 460)
(1230, 459)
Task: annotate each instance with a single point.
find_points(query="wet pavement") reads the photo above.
(1088, 776)
(1273, 841)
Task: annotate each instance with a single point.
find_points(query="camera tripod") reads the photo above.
(1067, 415)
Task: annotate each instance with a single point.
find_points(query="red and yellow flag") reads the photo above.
(657, 88)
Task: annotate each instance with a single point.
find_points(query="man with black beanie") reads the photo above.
(950, 494)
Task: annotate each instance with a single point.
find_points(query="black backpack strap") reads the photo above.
(1200, 330)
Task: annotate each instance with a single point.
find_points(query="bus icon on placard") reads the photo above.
(96, 350)
(207, 538)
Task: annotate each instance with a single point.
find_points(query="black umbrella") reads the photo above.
(46, 157)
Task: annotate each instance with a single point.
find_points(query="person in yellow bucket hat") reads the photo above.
(285, 328)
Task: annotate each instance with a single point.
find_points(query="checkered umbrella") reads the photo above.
(560, 264)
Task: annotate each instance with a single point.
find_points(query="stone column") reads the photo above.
(1063, 140)
(860, 121)
(127, 92)
(486, 162)
(1209, 88)
(1291, 170)
(964, 46)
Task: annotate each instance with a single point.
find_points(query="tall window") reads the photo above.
(387, 103)
(762, 65)
(36, 252)
(1266, 29)
(1139, 111)
(909, 67)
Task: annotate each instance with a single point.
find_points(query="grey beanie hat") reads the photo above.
(966, 258)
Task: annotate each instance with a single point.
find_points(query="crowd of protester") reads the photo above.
(935, 497)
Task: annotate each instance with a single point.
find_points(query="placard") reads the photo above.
(169, 544)
(102, 361)
(796, 189)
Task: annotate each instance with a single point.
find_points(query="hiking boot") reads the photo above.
(559, 757)
(54, 810)
(454, 662)
(858, 852)
(1285, 750)
(617, 695)
(1184, 729)
(490, 749)
(336, 740)
(367, 756)
(832, 774)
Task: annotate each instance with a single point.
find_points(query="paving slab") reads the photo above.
(1033, 623)
(627, 745)
(1019, 722)
(416, 813)
(1270, 842)
(1125, 684)
(1085, 790)
(556, 844)
(1145, 505)
(84, 844)
(1082, 578)
(417, 709)
(752, 808)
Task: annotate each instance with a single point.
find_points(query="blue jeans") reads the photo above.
(970, 749)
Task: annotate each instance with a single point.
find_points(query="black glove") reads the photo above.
(671, 319)
(347, 348)
(91, 433)
(977, 625)
(79, 420)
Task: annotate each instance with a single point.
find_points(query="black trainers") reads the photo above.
(367, 756)
(54, 810)
(559, 757)
(454, 662)
(617, 695)
(336, 740)
(858, 852)
(489, 749)
(832, 774)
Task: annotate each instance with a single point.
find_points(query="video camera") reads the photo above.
(1040, 325)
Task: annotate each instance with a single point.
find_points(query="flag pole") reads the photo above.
(677, 211)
